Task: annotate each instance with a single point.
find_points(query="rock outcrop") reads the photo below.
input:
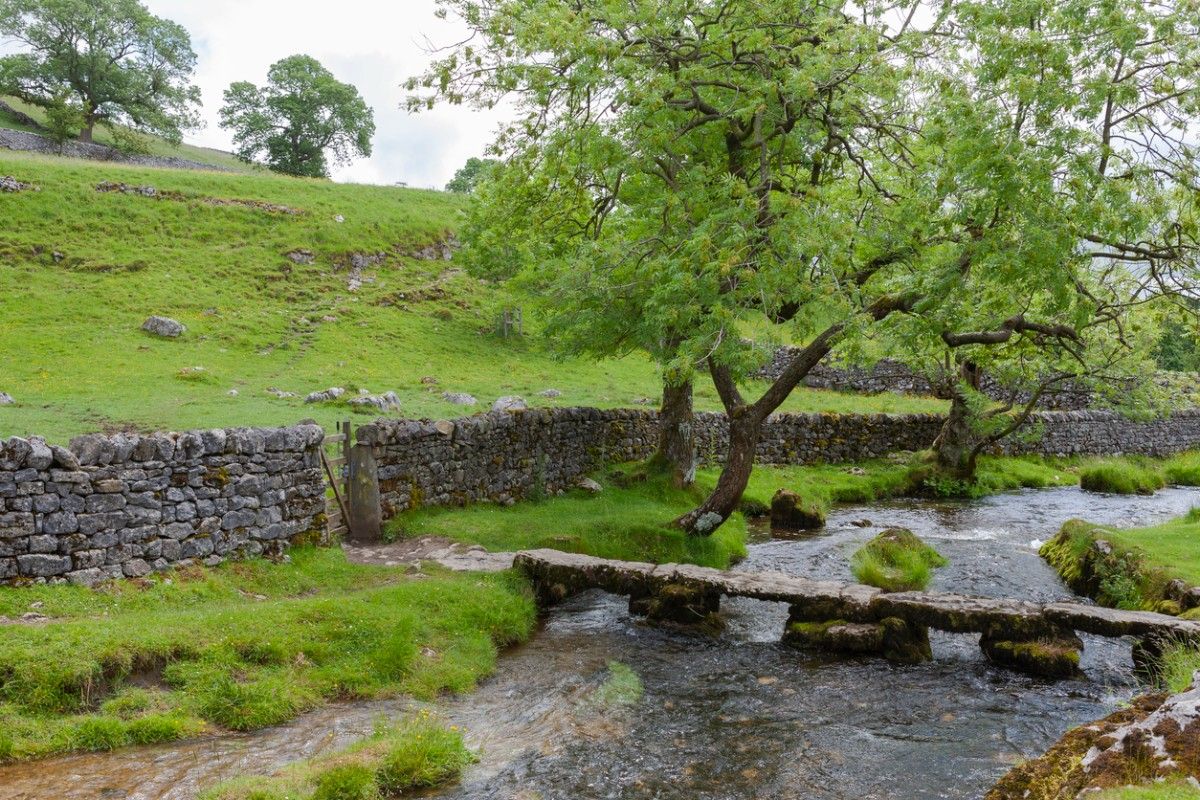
(164, 327)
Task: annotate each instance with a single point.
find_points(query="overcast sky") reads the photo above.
(373, 44)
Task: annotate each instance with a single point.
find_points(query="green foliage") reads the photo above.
(1120, 477)
(117, 62)
(215, 657)
(64, 120)
(301, 117)
(1182, 470)
(896, 561)
(469, 175)
(414, 754)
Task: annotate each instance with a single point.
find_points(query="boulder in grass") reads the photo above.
(459, 398)
(164, 327)
(6, 399)
(329, 395)
(510, 404)
(384, 402)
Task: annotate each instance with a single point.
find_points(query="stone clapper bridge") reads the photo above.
(1039, 639)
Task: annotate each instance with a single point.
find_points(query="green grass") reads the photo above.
(1173, 546)
(153, 145)
(415, 754)
(240, 647)
(896, 561)
(1178, 667)
(628, 520)
(622, 688)
(72, 354)
(1121, 477)
(1158, 791)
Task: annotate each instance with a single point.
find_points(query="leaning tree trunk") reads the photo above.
(677, 434)
(744, 433)
(956, 447)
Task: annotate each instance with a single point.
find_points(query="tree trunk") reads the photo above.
(744, 433)
(955, 448)
(88, 131)
(677, 435)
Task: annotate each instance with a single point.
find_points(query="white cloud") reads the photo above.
(373, 44)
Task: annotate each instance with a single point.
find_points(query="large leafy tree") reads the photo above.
(300, 120)
(470, 175)
(112, 61)
(683, 170)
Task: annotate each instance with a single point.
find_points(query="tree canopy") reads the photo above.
(469, 175)
(112, 61)
(300, 120)
(685, 173)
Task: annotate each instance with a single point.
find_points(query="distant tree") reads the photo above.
(301, 118)
(111, 60)
(469, 175)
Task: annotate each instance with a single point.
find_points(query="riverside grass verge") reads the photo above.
(412, 755)
(629, 519)
(240, 647)
(257, 320)
(1141, 566)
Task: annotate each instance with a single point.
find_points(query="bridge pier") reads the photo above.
(819, 627)
(677, 602)
(1041, 649)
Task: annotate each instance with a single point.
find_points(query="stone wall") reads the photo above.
(35, 143)
(122, 506)
(508, 456)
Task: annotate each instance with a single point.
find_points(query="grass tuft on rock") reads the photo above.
(416, 754)
(896, 561)
(241, 647)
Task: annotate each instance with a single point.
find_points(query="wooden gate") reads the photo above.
(335, 457)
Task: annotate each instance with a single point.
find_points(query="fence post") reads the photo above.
(366, 512)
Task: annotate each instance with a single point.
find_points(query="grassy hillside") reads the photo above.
(154, 145)
(80, 270)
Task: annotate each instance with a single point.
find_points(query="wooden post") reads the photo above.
(366, 512)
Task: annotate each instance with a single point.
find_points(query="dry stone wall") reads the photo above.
(122, 506)
(508, 456)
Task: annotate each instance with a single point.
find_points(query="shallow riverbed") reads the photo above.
(733, 716)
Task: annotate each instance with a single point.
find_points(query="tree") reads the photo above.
(470, 174)
(111, 59)
(682, 169)
(300, 118)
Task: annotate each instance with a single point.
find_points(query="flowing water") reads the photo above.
(731, 716)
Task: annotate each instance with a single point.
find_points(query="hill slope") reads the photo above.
(81, 269)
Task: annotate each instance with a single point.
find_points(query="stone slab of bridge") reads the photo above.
(1039, 638)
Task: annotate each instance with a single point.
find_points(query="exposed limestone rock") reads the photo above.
(1156, 738)
(6, 399)
(11, 185)
(326, 396)
(790, 512)
(550, 394)
(459, 398)
(510, 403)
(302, 257)
(164, 327)
(590, 486)
(1044, 650)
(384, 402)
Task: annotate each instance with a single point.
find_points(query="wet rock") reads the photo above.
(164, 327)
(510, 403)
(892, 638)
(327, 396)
(459, 398)
(1050, 652)
(790, 512)
(679, 603)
